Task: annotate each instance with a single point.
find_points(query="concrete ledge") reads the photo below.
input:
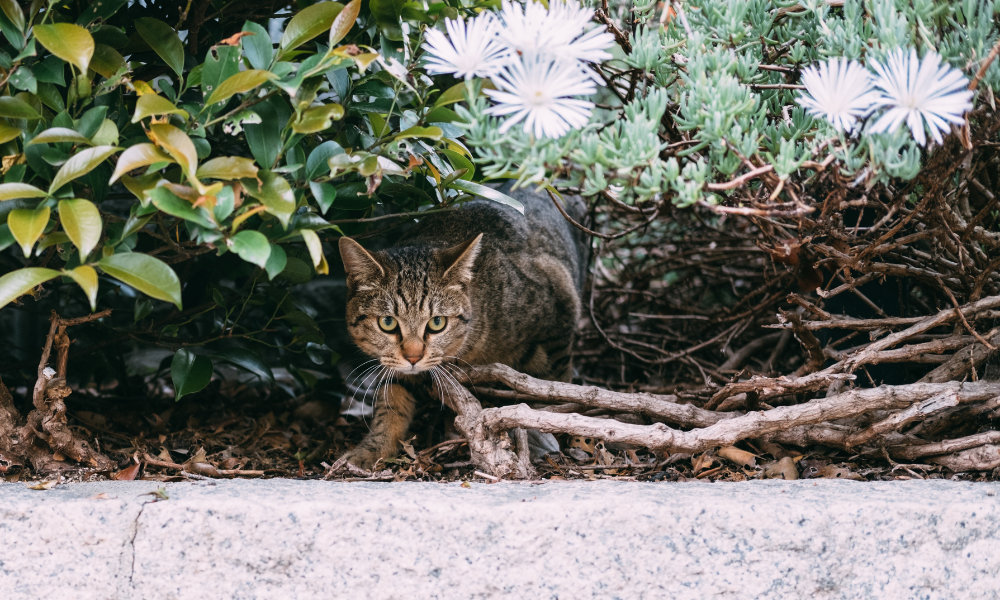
(309, 539)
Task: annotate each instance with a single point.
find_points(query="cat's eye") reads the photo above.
(437, 323)
(387, 324)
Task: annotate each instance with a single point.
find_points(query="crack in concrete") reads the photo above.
(135, 533)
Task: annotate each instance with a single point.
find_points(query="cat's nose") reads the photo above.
(413, 359)
(413, 351)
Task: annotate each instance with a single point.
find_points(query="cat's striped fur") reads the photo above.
(507, 284)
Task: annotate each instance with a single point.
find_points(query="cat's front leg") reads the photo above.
(394, 408)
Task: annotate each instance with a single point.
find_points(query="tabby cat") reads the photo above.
(477, 285)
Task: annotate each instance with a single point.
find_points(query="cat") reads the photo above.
(478, 285)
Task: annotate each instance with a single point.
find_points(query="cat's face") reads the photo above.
(410, 308)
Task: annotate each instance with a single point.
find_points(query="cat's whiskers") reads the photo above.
(359, 382)
(358, 367)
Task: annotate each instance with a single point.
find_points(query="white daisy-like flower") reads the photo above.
(840, 91)
(471, 48)
(920, 92)
(561, 31)
(539, 91)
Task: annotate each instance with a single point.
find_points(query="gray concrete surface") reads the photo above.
(295, 539)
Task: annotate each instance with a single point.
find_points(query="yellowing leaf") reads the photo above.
(315, 247)
(275, 194)
(148, 274)
(81, 221)
(140, 186)
(70, 42)
(106, 61)
(433, 133)
(178, 145)
(344, 21)
(140, 155)
(55, 135)
(80, 164)
(15, 108)
(151, 105)
(20, 282)
(86, 278)
(8, 132)
(27, 225)
(229, 168)
(318, 118)
(309, 23)
(12, 191)
(240, 83)
(107, 134)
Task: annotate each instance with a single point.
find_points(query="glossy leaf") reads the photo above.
(148, 274)
(86, 278)
(140, 155)
(276, 262)
(80, 164)
(169, 203)
(81, 221)
(239, 83)
(275, 194)
(246, 359)
(251, 246)
(8, 132)
(228, 168)
(343, 23)
(318, 118)
(27, 225)
(15, 108)
(12, 191)
(178, 145)
(257, 47)
(189, 372)
(163, 40)
(152, 105)
(315, 248)
(433, 133)
(70, 42)
(56, 135)
(106, 61)
(309, 23)
(18, 283)
(324, 193)
(387, 13)
(486, 192)
(317, 165)
(14, 13)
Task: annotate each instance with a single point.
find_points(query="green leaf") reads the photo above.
(257, 47)
(106, 61)
(13, 191)
(276, 262)
(455, 93)
(324, 193)
(81, 221)
(275, 194)
(143, 308)
(228, 168)
(433, 133)
(106, 134)
(15, 108)
(318, 118)
(148, 274)
(344, 21)
(55, 135)
(152, 105)
(27, 226)
(8, 132)
(387, 13)
(309, 23)
(247, 360)
(20, 282)
(459, 161)
(251, 246)
(221, 63)
(317, 165)
(100, 9)
(264, 137)
(70, 42)
(86, 278)
(80, 164)
(239, 83)
(315, 247)
(486, 192)
(140, 155)
(163, 40)
(178, 145)
(189, 372)
(14, 13)
(166, 201)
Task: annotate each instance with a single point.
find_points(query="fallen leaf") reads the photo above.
(702, 461)
(782, 469)
(101, 496)
(740, 457)
(234, 39)
(129, 473)
(44, 485)
(587, 444)
(466, 484)
(834, 472)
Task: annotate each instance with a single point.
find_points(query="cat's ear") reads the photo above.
(461, 258)
(358, 262)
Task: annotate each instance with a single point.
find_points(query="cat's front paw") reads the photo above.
(363, 458)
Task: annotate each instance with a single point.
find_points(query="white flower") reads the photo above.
(471, 49)
(919, 91)
(538, 90)
(840, 91)
(559, 32)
